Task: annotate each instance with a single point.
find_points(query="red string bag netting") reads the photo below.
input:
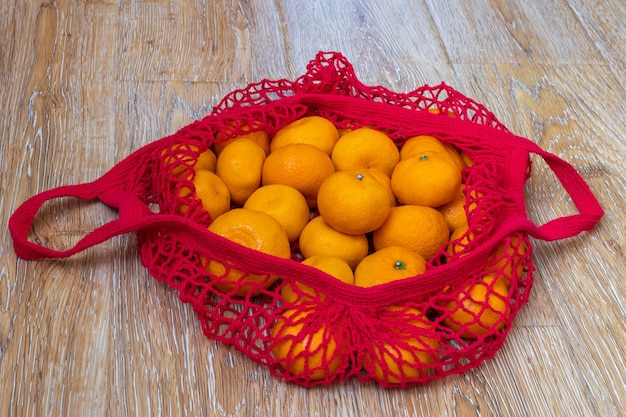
(445, 321)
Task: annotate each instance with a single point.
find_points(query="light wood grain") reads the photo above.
(85, 83)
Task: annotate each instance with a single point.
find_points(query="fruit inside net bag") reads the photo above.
(328, 229)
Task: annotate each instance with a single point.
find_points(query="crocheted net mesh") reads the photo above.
(446, 321)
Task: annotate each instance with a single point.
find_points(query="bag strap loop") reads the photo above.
(130, 208)
(590, 211)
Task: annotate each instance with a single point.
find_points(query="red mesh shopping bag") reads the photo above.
(445, 321)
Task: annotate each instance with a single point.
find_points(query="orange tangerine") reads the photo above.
(479, 307)
(211, 190)
(343, 131)
(240, 165)
(252, 131)
(207, 160)
(332, 265)
(299, 165)
(454, 211)
(353, 201)
(416, 146)
(459, 240)
(407, 350)
(386, 182)
(318, 238)
(421, 229)
(259, 137)
(305, 348)
(431, 179)
(285, 204)
(255, 230)
(365, 148)
(313, 130)
(437, 111)
(388, 264)
(466, 159)
(505, 256)
(181, 155)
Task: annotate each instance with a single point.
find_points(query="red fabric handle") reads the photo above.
(109, 188)
(21, 222)
(590, 211)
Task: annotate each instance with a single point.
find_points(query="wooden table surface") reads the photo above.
(85, 83)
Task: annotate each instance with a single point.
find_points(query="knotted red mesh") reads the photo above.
(326, 333)
(304, 325)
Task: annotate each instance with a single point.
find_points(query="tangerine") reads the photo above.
(386, 182)
(415, 146)
(353, 201)
(454, 211)
(365, 148)
(332, 265)
(313, 130)
(407, 350)
(506, 255)
(252, 229)
(479, 308)
(211, 191)
(240, 165)
(430, 179)
(252, 131)
(459, 241)
(388, 264)
(206, 160)
(179, 156)
(285, 204)
(305, 348)
(318, 238)
(299, 165)
(421, 229)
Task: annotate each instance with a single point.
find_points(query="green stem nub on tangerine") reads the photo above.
(399, 265)
(423, 157)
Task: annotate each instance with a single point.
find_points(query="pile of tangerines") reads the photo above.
(355, 204)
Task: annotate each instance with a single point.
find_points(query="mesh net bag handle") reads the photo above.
(106, 189)
(590, 211)
(119, 188)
